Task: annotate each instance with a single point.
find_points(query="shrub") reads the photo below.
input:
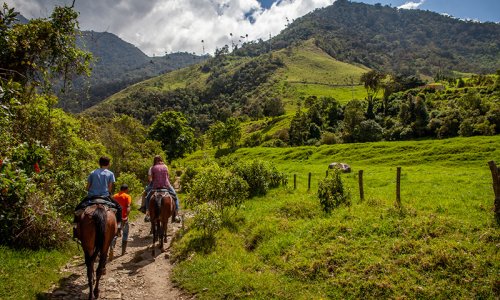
(331, 192)
(207, 219)
(219, 187)
(135, 186)
(253, 140)
(259, 175)
(187, 178)
(29, 214)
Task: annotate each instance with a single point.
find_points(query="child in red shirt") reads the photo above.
(125, 201)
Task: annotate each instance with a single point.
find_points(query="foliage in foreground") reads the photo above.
(46, 154)
(216, 193)
(25, 273)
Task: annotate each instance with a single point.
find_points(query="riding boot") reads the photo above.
(124, 247)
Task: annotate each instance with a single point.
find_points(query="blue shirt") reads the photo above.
(99, 180)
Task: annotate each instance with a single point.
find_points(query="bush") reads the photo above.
(135, 186)
(29, 214)
(207, 219)
(187, 178)
(331, 192)
(259, 175)
(219, 187)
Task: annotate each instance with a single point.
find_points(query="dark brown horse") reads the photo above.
(161, 208)
(96, 229)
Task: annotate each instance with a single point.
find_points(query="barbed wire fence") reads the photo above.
(312, 178)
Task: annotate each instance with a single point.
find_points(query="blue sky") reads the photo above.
(164, 26)
(481, 10)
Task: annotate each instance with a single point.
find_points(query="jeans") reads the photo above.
(124, 234)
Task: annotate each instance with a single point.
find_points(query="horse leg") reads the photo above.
(160, 229)
(100, 271)
(90, 273)
(111, 249)
(165, 231)
(153, 226)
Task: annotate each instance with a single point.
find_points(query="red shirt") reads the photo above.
(125, 200)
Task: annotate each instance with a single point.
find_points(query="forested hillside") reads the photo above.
(116, 65)
(231, 86)
(394, 40)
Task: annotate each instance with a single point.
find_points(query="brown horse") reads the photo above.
(96, 229)
(161, 208)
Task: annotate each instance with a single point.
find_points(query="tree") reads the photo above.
(299, 129)
(216, 134)
(48, 48)
(273, 107)
(43, 150)
(353, 116)
(232, 132)
(372, 81)
(176, 136)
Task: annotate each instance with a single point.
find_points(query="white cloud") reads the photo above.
(159, 26)
(411, 5)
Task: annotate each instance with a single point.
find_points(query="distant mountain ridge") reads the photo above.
(394, 40)
(117, 64)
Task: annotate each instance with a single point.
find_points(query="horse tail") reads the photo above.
(157, 205)
(99, 218)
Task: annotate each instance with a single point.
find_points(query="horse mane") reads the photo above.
(99, 216)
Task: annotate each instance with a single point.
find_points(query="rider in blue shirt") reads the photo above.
(99, 185)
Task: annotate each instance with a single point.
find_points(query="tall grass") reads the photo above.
(27, 274)
(442, 244)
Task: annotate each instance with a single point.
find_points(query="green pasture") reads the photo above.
(443, 243)
(308, 63)
(342, 94)
(25, 274)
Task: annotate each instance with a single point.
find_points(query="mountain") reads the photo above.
(228, 85)
(306, 83)
(117, 64)
(394, 40)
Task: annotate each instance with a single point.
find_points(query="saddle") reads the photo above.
(89, 210)
(92, 205)
(160, 193)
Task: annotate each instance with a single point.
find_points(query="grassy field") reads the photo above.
(27, 274)
(342, 94)
(443, 243)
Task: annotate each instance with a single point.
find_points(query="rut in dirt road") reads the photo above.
(135, 275)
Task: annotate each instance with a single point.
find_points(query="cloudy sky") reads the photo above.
(159, 26)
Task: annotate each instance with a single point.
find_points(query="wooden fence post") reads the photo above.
(398, 187)
(495, 174)
(309, 182)
(361, 191)
(294, 181)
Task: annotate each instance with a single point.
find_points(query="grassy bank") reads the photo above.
(25, 274)
(442, 244)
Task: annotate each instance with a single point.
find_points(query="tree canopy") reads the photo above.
(176, 136)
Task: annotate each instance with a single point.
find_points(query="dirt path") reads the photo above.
(135, 275)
